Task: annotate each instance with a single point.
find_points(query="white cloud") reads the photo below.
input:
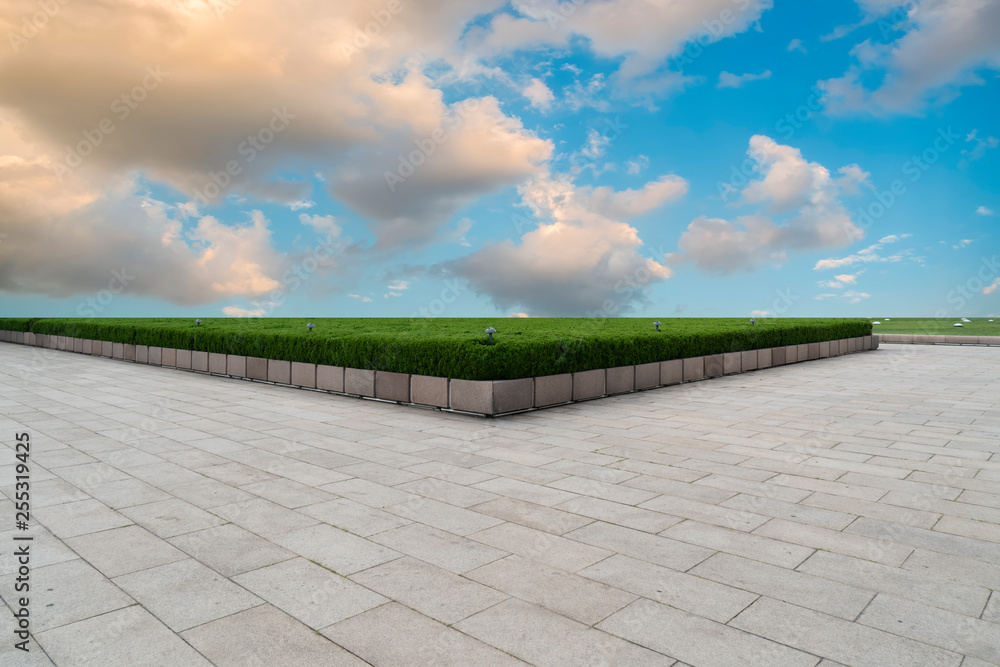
(982, 210)
(399, 285)
(964, 243)
(850, 297)
(945, 43)
(637, 165)
(358, 297)
(579, 260)
(345, 118)
(979, 148)
(538, 94)
(989, 289)
(728, 80)
(760, 313)
(796, 45)
(644, 34)
(868, 255)
(789, 185)
(235, 311)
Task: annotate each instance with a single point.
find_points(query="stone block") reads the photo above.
(620, 380)
(107, 348)
(647, 376)
(989, 340)
(694, 369)
(553, 389)
(359, 382)
(331, 378)
(749, 360)
(392, 386)
(117, 351)
(732, 363)
(803, 352)
(256, 368)
(184, 359)
(155, 356)
(129, 353)
(959, 340)
(513, 395)
(813, 352)
(169, 357)
(869, 343)
(824, 349)
(304, 375)
(764, 358)
(279, 372)
(671, 372)
(778, 356)
(930, 339)
(852, 345)
(876, 341)
(199, 361)
(217, 363)
(88, 346)
(588, 384)
(78, 345)
(715, 365)
(791, 354)
(142, 354)
(236, 365)
(424, 390)
(470, 396)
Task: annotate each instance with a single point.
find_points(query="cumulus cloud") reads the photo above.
(538, 94)
(645, 35)
(989, 289)
(729, 80)
(803, 192)
(945, 43)
(236, 311)
(982, 210)
(409, 187)
(582, 259)
(258, 104)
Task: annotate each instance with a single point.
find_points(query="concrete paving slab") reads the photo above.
(726, 497)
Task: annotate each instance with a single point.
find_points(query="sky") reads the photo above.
(599, 158)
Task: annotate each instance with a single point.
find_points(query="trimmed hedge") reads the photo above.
(457, 348)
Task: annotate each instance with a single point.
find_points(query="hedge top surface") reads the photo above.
(457, 347)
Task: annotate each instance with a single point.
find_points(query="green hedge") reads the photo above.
(16, 323)
(458, 348)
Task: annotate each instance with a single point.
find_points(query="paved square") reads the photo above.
(843, 511)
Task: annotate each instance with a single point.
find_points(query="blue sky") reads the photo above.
(717, 158)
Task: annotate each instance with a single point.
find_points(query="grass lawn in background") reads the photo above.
(930, 326)
(457, 347)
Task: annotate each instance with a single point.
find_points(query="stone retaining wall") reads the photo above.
(487, 398)
(940, 340)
